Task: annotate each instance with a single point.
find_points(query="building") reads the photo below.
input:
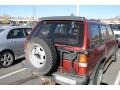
(17, 20)
(115, 20)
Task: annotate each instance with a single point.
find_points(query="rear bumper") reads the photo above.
(66, 79)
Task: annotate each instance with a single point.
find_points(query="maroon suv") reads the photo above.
(70, 49)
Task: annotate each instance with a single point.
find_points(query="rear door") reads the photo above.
(97, 47)
(109, 40)
(17, 36)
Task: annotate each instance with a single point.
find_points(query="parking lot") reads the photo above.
(18, 75)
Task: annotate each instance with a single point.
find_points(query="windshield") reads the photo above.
(115, 27)
(1, 30)
(117, 35)
(63, 32)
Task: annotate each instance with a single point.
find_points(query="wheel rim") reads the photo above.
(38, 56)
(100, 76)
(6, 59)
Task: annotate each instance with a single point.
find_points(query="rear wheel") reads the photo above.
(114, 57)
(6, 59)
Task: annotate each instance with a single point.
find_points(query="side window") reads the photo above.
(95, 34)
(104, 32)
(110, 32)
(16, 33)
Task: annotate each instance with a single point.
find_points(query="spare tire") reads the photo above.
(41, 55)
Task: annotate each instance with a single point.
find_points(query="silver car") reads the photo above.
(12, 43)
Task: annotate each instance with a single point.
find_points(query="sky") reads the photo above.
(88, 11)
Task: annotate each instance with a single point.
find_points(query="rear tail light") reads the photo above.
(83, 64)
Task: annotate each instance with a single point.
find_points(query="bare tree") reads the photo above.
(6, 19)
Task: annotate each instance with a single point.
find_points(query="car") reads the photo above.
(117, 34)
(116, 30)
(70, 50)
(12, 44)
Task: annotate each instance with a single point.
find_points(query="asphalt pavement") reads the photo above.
(112, 76)
(19, 75)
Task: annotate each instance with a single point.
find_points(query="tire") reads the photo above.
(114, 57)
(41, 55)
(6, 59)
(99, 75)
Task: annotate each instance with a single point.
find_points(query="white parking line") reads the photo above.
(117, 81)
(12, 73)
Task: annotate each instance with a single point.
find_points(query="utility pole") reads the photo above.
(78, 10)
(34, 14)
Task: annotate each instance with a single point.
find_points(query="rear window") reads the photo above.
(1, 30)
(63, 32)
